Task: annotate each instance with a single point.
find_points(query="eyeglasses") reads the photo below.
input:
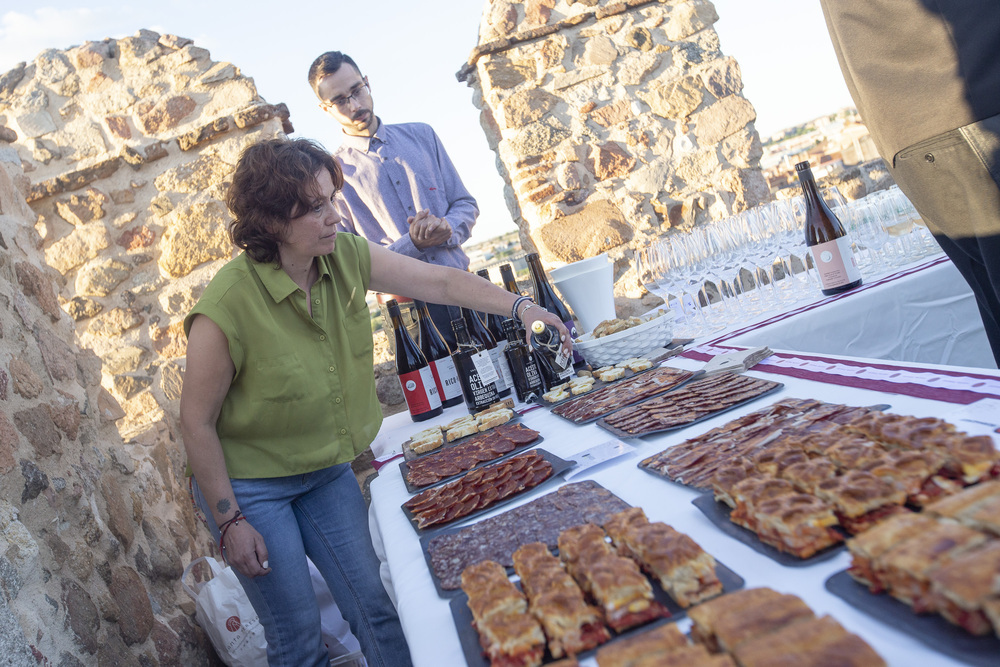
(343, 103)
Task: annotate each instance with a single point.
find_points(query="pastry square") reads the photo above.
(961, 588)
(815, 642)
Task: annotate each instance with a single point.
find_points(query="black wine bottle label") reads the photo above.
(446, 377)
(524, 371)
(420, 391)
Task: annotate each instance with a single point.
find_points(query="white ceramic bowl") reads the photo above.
(635, 342)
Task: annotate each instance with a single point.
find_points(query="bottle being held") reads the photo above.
(546, 297)
(415, 375)
(476, 372)
(438, 355)
(825, 236)
(524, 370)
(482, 337)
(555, 362)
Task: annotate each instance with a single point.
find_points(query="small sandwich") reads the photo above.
(431, 440)
(610, 374)
(962, 590)
(462, 429)
(868, 547)
(495, 418)
(556, 394)
(812, 642)
(708, 617)
(639, 364)
(905, 569)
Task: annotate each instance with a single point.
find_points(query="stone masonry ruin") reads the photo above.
(123, 150)
(613, 123)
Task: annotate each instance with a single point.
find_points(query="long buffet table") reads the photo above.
(924, 312)
(915, 389)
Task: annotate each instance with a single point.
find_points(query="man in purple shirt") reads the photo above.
(401, 189)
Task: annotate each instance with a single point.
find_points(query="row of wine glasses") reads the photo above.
(726, 271)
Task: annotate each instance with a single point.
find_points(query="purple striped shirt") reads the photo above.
(393, 175)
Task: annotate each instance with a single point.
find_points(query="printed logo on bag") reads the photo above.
(233, 623)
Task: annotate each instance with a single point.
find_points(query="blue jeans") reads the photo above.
(321, 515)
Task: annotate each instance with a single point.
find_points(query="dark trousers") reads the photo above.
(978, 260)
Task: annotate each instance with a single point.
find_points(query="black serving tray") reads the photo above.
(718, 513)
(559, 466)
(530, 532)
(404, 467)
(695, 375)
(598, 384)
(931, 629)
(473, 651)
(625, 434)
(410, 455)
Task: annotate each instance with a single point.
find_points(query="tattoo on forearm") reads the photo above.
(223, 506)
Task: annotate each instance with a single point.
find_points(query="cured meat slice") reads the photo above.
(539, 475)
(504, 445)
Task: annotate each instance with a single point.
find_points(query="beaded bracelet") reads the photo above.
(224, 528)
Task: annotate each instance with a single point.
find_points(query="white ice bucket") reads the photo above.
(588, 286)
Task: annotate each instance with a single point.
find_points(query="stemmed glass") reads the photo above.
(727, 264)
(687, 273)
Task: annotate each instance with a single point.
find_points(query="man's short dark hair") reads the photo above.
(327, 64)
(274, 182)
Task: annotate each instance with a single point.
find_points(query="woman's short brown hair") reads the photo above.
(274, 182)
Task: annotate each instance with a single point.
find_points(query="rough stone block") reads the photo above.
(527, 106)
(600, 226)
(165, 114)
(101, 276)
(80, 209)
(610, 161)
(82, 244)
(727, 116)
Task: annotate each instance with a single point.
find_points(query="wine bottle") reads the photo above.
(476, 372)
(484, 339)
(546, 297)
(509, 282)
(524, 370)
(415, 376)
(438, 355)
(826, 238)
(493, 321)
(555, 363)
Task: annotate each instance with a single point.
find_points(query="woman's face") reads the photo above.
(313, 233)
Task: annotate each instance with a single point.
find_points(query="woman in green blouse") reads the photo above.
(279, 397)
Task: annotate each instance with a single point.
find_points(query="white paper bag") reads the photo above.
(223, 610)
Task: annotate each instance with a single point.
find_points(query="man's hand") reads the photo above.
(427, 231)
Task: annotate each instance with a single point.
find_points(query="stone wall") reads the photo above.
(127, 147)
(614, 123)
(93, 533)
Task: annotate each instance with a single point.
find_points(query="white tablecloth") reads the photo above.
(924, 313)
(426, 617)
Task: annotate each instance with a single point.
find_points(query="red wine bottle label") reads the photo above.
(420, 391)
(484, 366)
(835, 262)
(446, 377)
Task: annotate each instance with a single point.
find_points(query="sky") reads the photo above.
(410, 52)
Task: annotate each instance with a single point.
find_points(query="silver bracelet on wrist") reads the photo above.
(526, 308)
